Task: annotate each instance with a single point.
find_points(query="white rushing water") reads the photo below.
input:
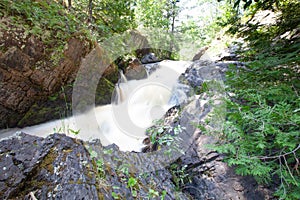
(137, 104)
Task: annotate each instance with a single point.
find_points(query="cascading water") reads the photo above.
(136, 104)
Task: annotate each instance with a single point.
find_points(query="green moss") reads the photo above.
(38, 114)
(32, 181)
(48, 161)
(104, 92)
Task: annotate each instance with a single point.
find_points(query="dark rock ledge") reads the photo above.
(57, 167)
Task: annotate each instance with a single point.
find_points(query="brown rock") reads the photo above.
(139, 42)
(200, 53)
(38, 76)
(4, 76)
(76, 50)
(22, 87)
(15, 59)
(34, 48)
(135, 70)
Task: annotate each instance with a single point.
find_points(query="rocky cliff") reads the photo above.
(36, 77)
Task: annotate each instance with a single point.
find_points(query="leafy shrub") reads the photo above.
(261, 136)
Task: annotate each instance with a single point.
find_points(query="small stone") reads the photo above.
(238, 187)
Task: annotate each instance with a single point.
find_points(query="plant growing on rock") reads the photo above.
(165, 135)
(99, 164)
(179, 175)
(132, 183)
(152, 193)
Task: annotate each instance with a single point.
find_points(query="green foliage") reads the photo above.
(287, 19)
(115, 195)
(46, 19)
(100, 168)
(159, 16)
(179, 175)
(113, 16)
(99, 164)
(165, 135)
(53, 23)
(124, 168)
(93, 154)
(152, 194)
(163, 195)
(202, 29)
(156, 13)
(131, 182)
(261, 135)
(75, 132)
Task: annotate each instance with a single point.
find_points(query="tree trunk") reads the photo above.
(90, 11)
(69, 4)
(173, 16)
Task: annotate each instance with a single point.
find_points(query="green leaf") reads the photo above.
(131, 182)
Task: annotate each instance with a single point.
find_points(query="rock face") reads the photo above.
(149, 58)
(36, 84)
(29, 76)
(140, 42)
(209, 176)
(57, 167)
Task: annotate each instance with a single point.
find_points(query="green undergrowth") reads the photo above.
(261, 134)
(44, 19)
(48, 21)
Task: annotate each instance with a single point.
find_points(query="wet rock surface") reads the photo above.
(200, 53)
(149, 58)
(135, 70)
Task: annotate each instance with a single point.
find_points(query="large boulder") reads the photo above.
(57, 167)
(135, 70)
(149, 58)
(139, 42)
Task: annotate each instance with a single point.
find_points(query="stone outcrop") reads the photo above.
(200, 53)
(149, 58)
(139, 42)
(57, 167)
(29, 75)
(36, 82)
(135, 70)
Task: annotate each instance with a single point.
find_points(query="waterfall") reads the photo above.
(136, 104)
(123, 78)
